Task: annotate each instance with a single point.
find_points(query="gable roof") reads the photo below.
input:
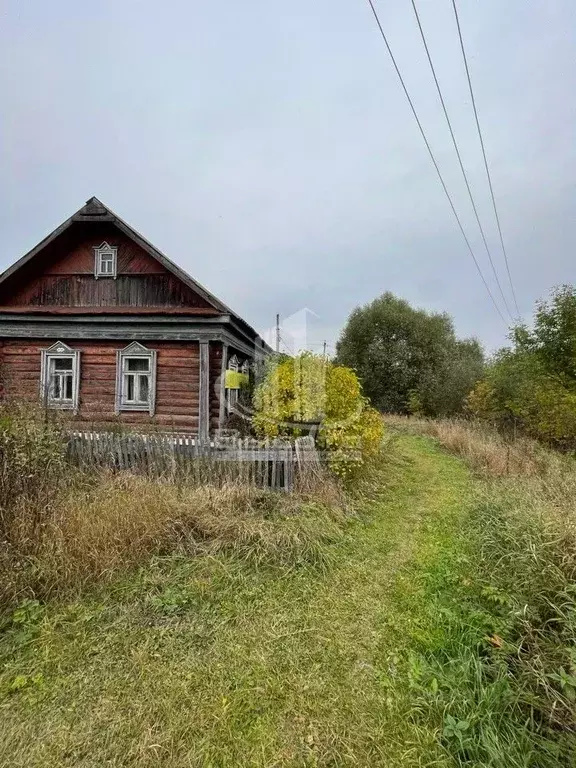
(94, 210)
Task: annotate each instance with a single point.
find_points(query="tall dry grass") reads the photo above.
(485, 449)
(61, 529)
(103, 525)
(542, 480)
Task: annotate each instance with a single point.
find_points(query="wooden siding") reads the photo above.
(66, 276)
(177, 380)
(215, 373)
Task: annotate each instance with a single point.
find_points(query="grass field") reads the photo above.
(373, 655)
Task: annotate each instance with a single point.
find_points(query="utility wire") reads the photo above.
(484, 156)
(385, 39)
(464, 174)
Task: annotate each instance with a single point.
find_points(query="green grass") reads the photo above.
(375, 655)
(210, 661)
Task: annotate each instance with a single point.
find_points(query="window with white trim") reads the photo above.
(233, 365)
(136, 379)
(105, 258)
(60, 376)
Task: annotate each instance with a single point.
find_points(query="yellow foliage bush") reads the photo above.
(309, 388)
(480, 402)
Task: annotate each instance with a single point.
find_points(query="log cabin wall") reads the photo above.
(177, 381)
(66, 279)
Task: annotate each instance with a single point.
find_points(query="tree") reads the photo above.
(532, 384)
(553, 337)
(409, 359)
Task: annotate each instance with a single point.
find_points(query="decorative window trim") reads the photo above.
(137, 351)
(105, 250)
(59, 351)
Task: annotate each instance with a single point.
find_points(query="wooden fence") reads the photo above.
(266, 464)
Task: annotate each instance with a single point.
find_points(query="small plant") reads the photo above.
(171, 601)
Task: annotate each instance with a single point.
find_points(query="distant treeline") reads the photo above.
(410, 361)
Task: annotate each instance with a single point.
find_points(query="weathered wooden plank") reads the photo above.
(204, 391)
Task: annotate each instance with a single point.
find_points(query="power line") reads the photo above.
(454, 142)
(484, 156)
(385, 39)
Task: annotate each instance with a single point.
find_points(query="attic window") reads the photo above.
(105, 260)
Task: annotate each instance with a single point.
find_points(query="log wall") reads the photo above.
(177, 381)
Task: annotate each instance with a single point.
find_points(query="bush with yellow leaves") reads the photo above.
(308, 388)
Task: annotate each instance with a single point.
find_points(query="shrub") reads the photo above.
(309, 388)
(32, 466)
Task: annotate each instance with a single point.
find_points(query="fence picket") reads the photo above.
(259, 463)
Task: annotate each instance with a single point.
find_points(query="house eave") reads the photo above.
(134, 327)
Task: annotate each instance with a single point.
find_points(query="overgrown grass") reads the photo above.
(161, 624)
(485, 449)
(62, 530)
(495, 661)
(220, 660)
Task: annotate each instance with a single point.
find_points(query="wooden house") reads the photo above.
(98, 321)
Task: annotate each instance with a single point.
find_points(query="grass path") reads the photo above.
(211, 662)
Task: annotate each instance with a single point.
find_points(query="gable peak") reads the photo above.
(93, 207)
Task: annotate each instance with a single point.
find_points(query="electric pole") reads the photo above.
(277, 334)
(324, 351)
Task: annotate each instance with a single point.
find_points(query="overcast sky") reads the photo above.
(266, 145)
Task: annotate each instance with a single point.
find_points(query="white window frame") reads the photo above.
(105, 250)
(139, 352)
(59, 351)
(232, 394)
